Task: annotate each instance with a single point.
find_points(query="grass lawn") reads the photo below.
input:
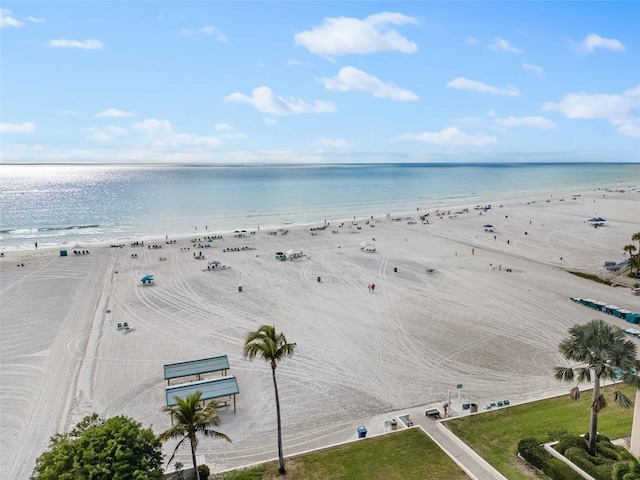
(406, 454)
(495, 434)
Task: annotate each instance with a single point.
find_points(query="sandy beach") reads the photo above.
(454, 303)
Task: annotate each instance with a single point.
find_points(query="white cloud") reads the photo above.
(462, 83)
(223, 127)
(537, 122)
(593, 41)
(162, 135)
(502, 44)
(452, 137)
(91, 44)
(206, 30)
(115, 113)
(270, 121)
(533, 68)
(36, 20)
(154, 129)
(264, 100)
(332, 142)
(350, 78)
(619, 110)
(7, 20)
(472, 41)
(25, 127)
(106, 134)
(343, 35)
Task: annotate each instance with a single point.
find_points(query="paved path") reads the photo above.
(468, 460)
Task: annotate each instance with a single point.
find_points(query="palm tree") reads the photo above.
(634, 264)
(272, 348)
(192, 418)
(630, 249)
(636, 237)
(602, 353)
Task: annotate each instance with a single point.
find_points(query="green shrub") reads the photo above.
(571, 441)
(532, 452)
(204, 472)
(556, 468)
(581, 458)
(607, 451)
(619, 470)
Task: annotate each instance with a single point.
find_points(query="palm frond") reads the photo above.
(564, 374)
(584, 374)
(215, 434)
(175, 450)
(621, 399)
(574, 393)
(599, 403)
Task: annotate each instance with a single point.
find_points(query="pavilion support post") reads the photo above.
(234, 403)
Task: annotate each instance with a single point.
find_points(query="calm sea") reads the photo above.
(56, 205)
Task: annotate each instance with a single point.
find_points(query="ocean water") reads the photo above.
(68, 205)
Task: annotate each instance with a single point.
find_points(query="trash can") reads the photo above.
(394, 424)
(240, 289)
(362, 432)
(473, 408)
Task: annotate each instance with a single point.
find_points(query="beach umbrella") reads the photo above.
(214, 262)
(146, 278)
(487, 226)
(294, 252)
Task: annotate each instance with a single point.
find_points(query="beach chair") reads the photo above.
(125, 325)
(119, 326)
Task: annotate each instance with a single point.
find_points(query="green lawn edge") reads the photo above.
(494, 435)
(401, 455)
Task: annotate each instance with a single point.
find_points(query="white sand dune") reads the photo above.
(445, 317)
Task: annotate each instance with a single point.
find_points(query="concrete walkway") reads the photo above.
(472, 463)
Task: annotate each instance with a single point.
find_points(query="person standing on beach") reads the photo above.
(373, 287)
(369, 287)
(36, 245)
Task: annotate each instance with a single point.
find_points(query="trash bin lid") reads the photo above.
(362, 429)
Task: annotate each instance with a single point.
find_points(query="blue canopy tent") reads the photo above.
(147, 279)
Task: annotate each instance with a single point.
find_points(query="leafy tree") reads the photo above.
(602, 353)
(272, 348)
(629, 248)
(98, 449)
(192, 418)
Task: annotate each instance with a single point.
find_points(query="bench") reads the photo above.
(432, 413)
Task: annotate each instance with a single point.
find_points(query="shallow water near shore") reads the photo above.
(83, 204)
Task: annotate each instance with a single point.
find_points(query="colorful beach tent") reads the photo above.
(147, 279)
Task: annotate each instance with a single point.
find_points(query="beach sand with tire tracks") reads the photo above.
(440, 316)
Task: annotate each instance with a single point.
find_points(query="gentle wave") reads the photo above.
(23, 231)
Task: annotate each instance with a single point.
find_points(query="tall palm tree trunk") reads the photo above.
(193, 457)
(281, 468)
(593, 425)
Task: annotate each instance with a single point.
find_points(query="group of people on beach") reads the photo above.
(372, 287)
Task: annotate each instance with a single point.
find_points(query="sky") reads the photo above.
(319, 81)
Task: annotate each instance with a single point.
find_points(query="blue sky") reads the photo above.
(308, 82)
